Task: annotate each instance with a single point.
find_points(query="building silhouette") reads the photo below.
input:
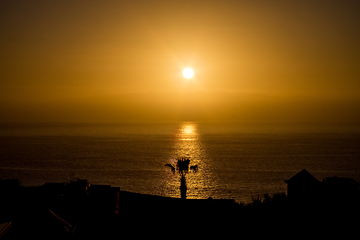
(304, 186)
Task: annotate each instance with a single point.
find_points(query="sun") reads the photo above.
(188, 73)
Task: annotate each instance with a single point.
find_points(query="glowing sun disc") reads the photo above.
(188, 73)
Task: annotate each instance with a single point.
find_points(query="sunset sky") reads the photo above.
(122, 61)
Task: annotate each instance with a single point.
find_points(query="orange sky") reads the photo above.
(122, 61)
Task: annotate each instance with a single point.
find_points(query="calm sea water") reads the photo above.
(235, 161)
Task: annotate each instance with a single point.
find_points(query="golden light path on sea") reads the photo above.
(187, 143)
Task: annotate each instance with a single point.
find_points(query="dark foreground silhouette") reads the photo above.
(79, 210)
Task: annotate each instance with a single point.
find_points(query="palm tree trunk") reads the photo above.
(183, 187)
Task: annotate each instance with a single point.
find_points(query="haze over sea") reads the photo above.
(237, 161)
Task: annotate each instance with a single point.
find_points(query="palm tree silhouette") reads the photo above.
(182, 167)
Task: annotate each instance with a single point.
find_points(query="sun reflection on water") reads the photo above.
(187, 143)
(188, 132)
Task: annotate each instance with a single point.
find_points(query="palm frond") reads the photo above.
(194, 168)
(171, 167)
(182, 165)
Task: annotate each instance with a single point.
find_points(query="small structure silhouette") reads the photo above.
(304, 186)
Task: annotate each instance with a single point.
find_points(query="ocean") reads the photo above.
(235, 161)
